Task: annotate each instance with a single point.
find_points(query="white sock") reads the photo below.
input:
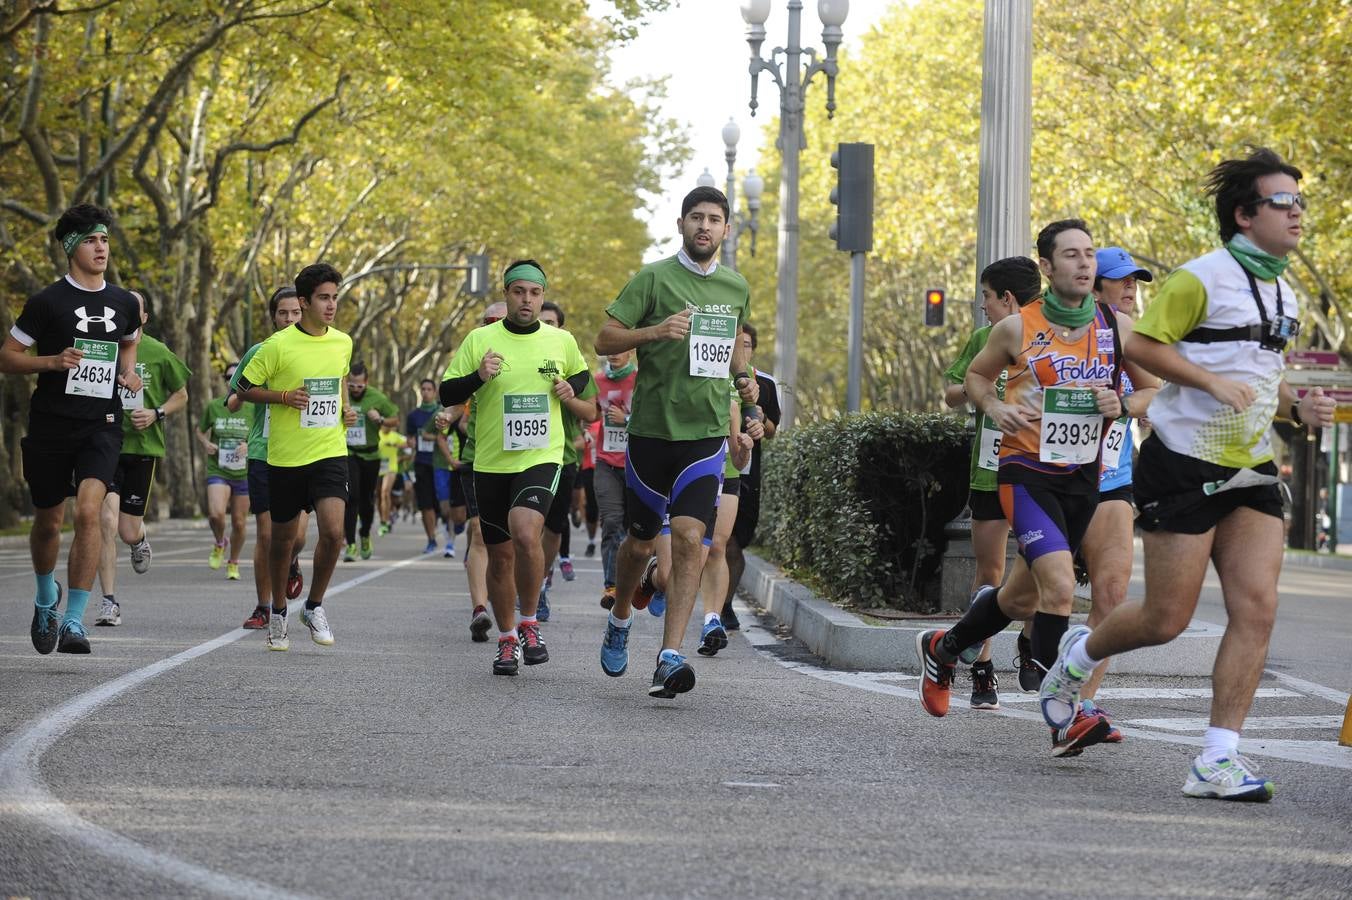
(620, 623)
(1219, 744)
(529, 620)
(1078, 657)
(710, 617)
(506, 635)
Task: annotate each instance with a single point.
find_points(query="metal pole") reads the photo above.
(790, 144)
(1334, 472)
(730, 242)
(1002, 207)
(856, 365)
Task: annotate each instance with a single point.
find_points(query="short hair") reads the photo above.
(1018, 275)
(312, 276)
(1046, 238)
(81, 217)
(751, 332)
(555, 308)
(704, 194)
(277, 297)
(145, 299)
(229, 366)
(427, 381)
(521, 262)
(1234, 184)
(357, 368)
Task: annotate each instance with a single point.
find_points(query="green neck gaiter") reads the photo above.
(1067, 316)
(1261, 263)
(621, 373)
(429, 407)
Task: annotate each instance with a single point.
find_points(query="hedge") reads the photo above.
(858, 504)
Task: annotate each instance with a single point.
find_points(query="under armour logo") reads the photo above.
(85, 319)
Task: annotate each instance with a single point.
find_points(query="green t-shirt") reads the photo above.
(669, 402)
(440, 461)
(467, 448)
(162, 374)
(363, 439)
(518, 419)
(258, 431)
(229, 432)
(289, 360)
(981, 479)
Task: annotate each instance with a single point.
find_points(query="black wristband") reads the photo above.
(159, 414)
(1295, 414)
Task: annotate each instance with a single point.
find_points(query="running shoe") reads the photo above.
(673, 676)
(431, 547)
(217, 556)
(295, 581)
(591, 549)
(576, 518)
(1030, 673)
(566, 567)
(644, 592)
(449, 552)
(533, 650)
(1083, 731)
(657, 606)
(608, 597)
(1228, 779)
(1059, 695)
(366, 547)
(480, 625)
(140, 556)
(384, 529)
(508, 658)
(258, 619)
(318, 623)
(72, 638)
(985, 684)
(46, 625)
(729, 617)
(232, 571)
(277, 639)
(936, 676)
(615, 650)
(712, 637)
(542, 606)
(970, 654)
(110, 613)
(1115, 735)
(350, 553)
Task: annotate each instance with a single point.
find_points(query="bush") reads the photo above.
(859, 503)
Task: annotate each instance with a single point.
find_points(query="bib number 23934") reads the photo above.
(525, 422)
(1071, 425)
(322, 410)
(711, 341)
(97, 371)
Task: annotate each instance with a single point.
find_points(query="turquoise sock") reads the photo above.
(672, 655)
(76, 600)
(47, 595)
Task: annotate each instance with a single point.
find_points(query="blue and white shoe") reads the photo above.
(542, 608)
(712, 638)
(969, 654)
(449, 552)
(1059, 695)
(673, 676)
(431, 547)
(615, 650)
(658, 604)
(1228, 779)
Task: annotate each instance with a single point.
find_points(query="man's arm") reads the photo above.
(998, 354)
(16, 360)
(1164, 361)
(616, 337)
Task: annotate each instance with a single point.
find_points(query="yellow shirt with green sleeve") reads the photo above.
(292, 359)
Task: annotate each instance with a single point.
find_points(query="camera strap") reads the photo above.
(1257, 333)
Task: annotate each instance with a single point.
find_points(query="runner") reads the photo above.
(476, 553)
(585, 509)
(682, 314)
(1006, 285)
(224, 436)
(424, 475)
(445, 464)
(1063, 355)
(305, 367)
(374, 410)
(284, 311)
(164, 391)
(390, 444)
(522, 374)
(615, 387)
(1205, 483)
(83, 332)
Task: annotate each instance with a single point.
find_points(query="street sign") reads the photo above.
(1314, 359)
(1325, 378)
(1340, 395)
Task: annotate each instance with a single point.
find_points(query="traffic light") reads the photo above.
(853, 197)
(934, 307)
(476, 280)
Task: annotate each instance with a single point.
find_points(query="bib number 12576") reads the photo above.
(322, 410)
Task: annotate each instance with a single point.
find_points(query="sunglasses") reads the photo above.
(1283, 200)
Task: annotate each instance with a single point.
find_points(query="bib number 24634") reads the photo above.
(97, 371)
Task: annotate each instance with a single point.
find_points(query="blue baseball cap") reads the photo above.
(1114, 262)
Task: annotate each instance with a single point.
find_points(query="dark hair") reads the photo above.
(521, 262)
(81, 217)
(312, 276)
(1018, 275)
(1234, 184)
(551, 305)
(276, 299)
(750, 330)
(427, 381)
(229, 366)
(1046, 238)
(357, 368)
(145, 299)
(703, 194)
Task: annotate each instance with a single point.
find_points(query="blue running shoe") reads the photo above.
(673, 676)
(1228, 779)
(969, 654)
(542, 609)
(658, 604)
(72, 638)
(615, 650)
(712, 639)
(431, 547)
(46, 624)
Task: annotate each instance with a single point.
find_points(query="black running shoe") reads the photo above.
(533, 650)
(984, 685)
(46, 625)
(673, 676)
(1030, 673)
(508, 657)
(730, 620)
(72, 639)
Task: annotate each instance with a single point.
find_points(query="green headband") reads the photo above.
(75, 238)
(524, 272)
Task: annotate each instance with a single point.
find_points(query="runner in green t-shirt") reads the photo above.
(374, 409)
(224, 435)
(163, 391)
(682, 314)
(522, 375)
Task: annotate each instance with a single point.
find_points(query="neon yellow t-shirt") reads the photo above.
(291, 359)
(391, 442)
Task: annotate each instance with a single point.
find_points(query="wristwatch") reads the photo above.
(159, 414)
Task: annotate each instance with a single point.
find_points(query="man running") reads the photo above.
(164, 391)
(284, 311)
(224, 435)
(615, 390)
(424, 473)
(374, 409)
(391, 443)
(476, 554)
(305, 367)
(83, 332)
(1205, 482)
(682, 314)
(522, 374)
(445, 430)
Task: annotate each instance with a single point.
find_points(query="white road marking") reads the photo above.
(1252, 723)
(750, 784)
(1155, 693)
(1309, 687)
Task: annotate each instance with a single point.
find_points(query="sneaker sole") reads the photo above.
(677, 682)
(537, 661)
(478, 631)
(978, 704)
(1201, 790)
(712, 644)
(108, 623)
(280, 648)
(504, 670)
(1091, 737)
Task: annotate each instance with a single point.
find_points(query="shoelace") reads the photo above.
(617, 638)
(506, 650)
(984, 679)
(530, 635)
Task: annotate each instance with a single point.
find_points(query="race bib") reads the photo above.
(1071, 424)
(988, 455)
(135, 399)
(97, 372)
(356, 434)
(615, 438)
(711, 341)
(1113, 443)
(426, 444)
(525, 422)
(267, 419)
(230, 454)
(322, 410)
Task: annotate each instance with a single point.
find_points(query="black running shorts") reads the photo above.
(499, 493)
(1170, 494)
(59, 453)
(297, 488)
(132, 482)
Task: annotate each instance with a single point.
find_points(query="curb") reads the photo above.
(844, 641)
(1305, 560)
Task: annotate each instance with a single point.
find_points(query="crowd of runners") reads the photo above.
(1091, 420)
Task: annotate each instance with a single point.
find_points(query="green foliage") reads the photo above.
(859, 503)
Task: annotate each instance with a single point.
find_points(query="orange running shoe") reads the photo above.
(1083, 731)
(936, 676)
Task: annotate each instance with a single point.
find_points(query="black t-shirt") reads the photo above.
(63, 315)
(769, 404)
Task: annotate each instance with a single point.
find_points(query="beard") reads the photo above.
(700, 256)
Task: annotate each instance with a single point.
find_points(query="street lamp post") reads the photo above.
(792, 78)
(731, 134)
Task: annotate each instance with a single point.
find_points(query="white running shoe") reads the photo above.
(110, 613)
(140, 556)
(1059, 695)
(277, 639)
(318, 623)
(1228, 779)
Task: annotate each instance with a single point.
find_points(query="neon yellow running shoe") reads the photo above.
(232, 571)
(217, 556)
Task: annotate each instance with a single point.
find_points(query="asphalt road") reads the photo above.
(182, 759)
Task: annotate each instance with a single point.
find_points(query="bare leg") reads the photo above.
(1175, 565)
(529, 563)
(714, 576)
(262, 546)
(44, 539)
(476, 565)
(88, 540)
(1107, 551)
(630, 561)
(501, 577)
(687, 559)
(329, 512)
(108, 551)
(218, 500)
(239, 513)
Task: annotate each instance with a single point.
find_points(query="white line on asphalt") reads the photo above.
(1157, 693)
(1252, 723)
(750, 784)
(23, 791)
(1309, 687)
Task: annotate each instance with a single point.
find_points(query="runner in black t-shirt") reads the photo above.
(83, 332)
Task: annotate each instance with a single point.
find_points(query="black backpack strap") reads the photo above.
(1111, 315)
